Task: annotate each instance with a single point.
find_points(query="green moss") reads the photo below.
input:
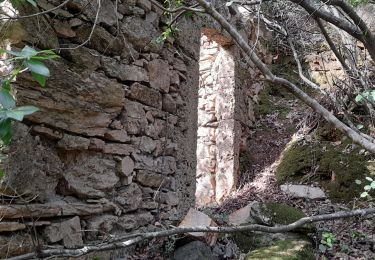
(266, 104)
(334, 170)
(284, 250)
(282, 214)
(274, 214)
(247, 241)
(297, 161)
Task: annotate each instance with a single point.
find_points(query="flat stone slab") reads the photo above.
(303, 191)
(195, 218)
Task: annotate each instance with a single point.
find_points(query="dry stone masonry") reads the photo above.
(217, 164)
(113, 147)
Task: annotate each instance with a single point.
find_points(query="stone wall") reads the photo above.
(112, 148)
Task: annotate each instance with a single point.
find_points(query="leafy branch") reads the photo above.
(30, 60)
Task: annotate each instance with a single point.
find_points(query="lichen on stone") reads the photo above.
(284, 250)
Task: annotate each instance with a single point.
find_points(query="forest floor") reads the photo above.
(281, 119)
(354, 238)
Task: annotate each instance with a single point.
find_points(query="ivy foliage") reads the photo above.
(28, 59)
(368, 95)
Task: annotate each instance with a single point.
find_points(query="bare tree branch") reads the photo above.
(126, 241)
(300, 72)
(358, 29)
(327, 115)
(36, 14)
(178, 9)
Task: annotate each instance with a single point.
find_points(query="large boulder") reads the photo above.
(269, 214)
(332, 165)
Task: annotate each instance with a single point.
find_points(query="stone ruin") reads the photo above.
(130, 133)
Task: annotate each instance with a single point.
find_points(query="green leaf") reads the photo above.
(6, 131)
(367, 187)
(39, 78)
(372, 185)
(28, 52)
(364, 194)
(6, 99)
(358, 182)
(360, 126)
(322, 248)
(5, 84)
(19, 112)
(369, 179)
(227, 4)
(366, 95)
(32, 2)
(37, 67)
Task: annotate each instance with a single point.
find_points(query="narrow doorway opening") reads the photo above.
(217, 168)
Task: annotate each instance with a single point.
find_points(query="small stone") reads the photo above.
(75, 22)
(48, 132)
(152, 18)
(146, 95)
(63, 29)
(125, 181)
(124, 72)
(169, 198)
(126, 166)
(195, 250)
(119, 149)
(159, 75)
(100, 224)
(96, 144)
(138, 11)
(116, 124)
(147, 144)
(169, 104)
(149, 205)
(145, 5)
(129, 222)
(11, 226)
(175, 78)
(303, 191)
(242, 215)
(150, 179)
(179, 65)
(68, 231)
(129, 197)
(117, 135)
(70, 142)
(139, 63)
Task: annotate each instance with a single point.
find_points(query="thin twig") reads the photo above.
(126, 241)
(36, 14)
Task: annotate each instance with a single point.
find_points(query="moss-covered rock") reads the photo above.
(282, 214)
(335, 170)
(284, 250)
(247, 241)
(272, 214)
